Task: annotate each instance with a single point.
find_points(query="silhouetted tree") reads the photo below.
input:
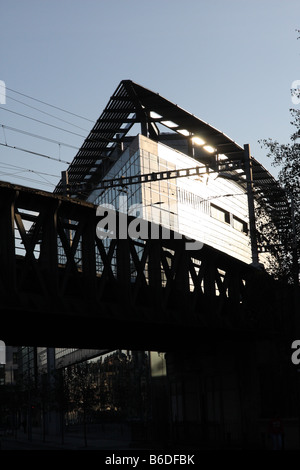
(286, 240)
(82, 390)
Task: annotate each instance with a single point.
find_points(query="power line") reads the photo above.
(51, 105)
(42, 122)
(32, 180)
(44, 112)
(16, 170)
(9, 165)
(37, 136)
(35, 153)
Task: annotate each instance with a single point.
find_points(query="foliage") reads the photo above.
(286, 241)
(116, 387)
(81, 385)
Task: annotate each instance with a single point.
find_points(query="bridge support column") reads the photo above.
(123, 269)
(7, 243)
(48, 249)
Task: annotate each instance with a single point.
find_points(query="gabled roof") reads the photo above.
(133, 104)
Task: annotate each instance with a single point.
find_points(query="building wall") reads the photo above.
(202, 206)
(11, 366)
(206, 208)
(64, 357)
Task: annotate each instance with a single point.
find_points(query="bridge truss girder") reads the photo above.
(61, 285)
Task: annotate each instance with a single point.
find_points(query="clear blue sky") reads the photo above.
(231, 63)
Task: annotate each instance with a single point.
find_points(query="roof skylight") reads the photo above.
(169, 123)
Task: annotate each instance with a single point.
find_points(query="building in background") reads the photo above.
(141, 134)
(8, 365)
(150, 159)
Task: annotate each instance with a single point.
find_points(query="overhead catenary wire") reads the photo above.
(46, 183)
(8, 166)
(35, 153)
(22, 148)
(43, 122)
(50, 105)
(30, 134)
(17, 170)
(48, 114)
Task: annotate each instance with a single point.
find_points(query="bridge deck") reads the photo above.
(61, 285)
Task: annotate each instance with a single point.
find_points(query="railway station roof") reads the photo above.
(133, 104)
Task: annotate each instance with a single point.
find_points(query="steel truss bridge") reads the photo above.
(62, 286)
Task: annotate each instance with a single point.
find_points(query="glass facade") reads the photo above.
(203, 208)
(28, 364)
(127, 165)
(159, 197)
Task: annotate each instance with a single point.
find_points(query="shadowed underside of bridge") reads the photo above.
(62, 286)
